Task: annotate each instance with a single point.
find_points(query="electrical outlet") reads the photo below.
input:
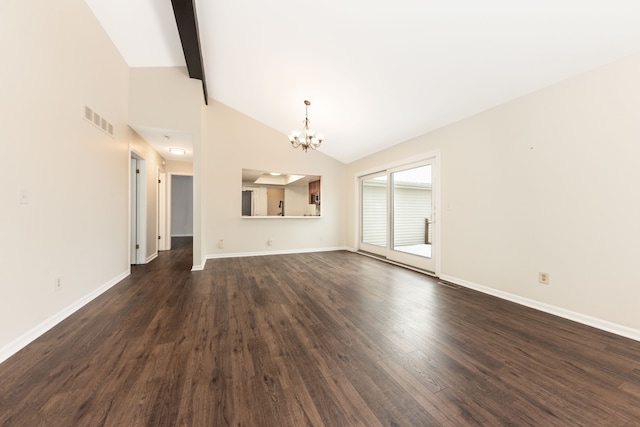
(269, 242)
(221, 243)
(543, 278)
(57, 284)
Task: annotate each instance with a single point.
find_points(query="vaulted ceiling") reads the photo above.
(376, 73)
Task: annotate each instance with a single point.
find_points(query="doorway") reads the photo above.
(181, 213)
(398, 214)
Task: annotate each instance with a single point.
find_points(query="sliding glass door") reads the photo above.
(398, 214)
(374, 221)
(412, 216)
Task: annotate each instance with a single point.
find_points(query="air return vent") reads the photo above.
(98, 121)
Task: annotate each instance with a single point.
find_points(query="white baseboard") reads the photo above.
(265, 253)
(594, 322)
(182, 235)
(22, 341)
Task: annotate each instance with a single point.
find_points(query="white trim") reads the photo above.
(584, 319)
(25, 339)
(357, 212)
(265, 253)
(413, 159)
(151, 257)
(182, 235)
(437, 211)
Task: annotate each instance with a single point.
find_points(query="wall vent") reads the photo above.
(98, 121)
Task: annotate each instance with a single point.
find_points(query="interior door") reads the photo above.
(412, 215)
(138, 210)
(135, 247)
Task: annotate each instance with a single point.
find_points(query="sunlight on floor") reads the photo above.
(423, 250)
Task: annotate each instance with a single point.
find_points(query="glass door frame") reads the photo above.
(367, 247)
(393, 254)
(432, 158)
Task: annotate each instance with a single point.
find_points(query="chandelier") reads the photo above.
(307, 138)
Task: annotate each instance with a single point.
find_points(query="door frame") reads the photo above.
(394, 254)
(139, 256)
(169, 200)
(162, 211)
(434, 156)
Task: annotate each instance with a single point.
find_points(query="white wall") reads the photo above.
(233, 141)
(179, 168)
(55, 58)
(165, 98)
(548, 182)
(181, 205)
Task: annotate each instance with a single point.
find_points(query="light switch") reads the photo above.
(23, 196)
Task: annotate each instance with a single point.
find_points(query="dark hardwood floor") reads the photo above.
(323, 339)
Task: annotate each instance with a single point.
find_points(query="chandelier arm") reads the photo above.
(307, 138)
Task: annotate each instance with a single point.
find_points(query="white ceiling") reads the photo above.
(377, 73)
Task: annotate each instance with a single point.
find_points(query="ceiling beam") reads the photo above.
(187, 22)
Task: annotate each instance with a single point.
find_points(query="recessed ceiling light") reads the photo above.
(179, 151)
(275, 173)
